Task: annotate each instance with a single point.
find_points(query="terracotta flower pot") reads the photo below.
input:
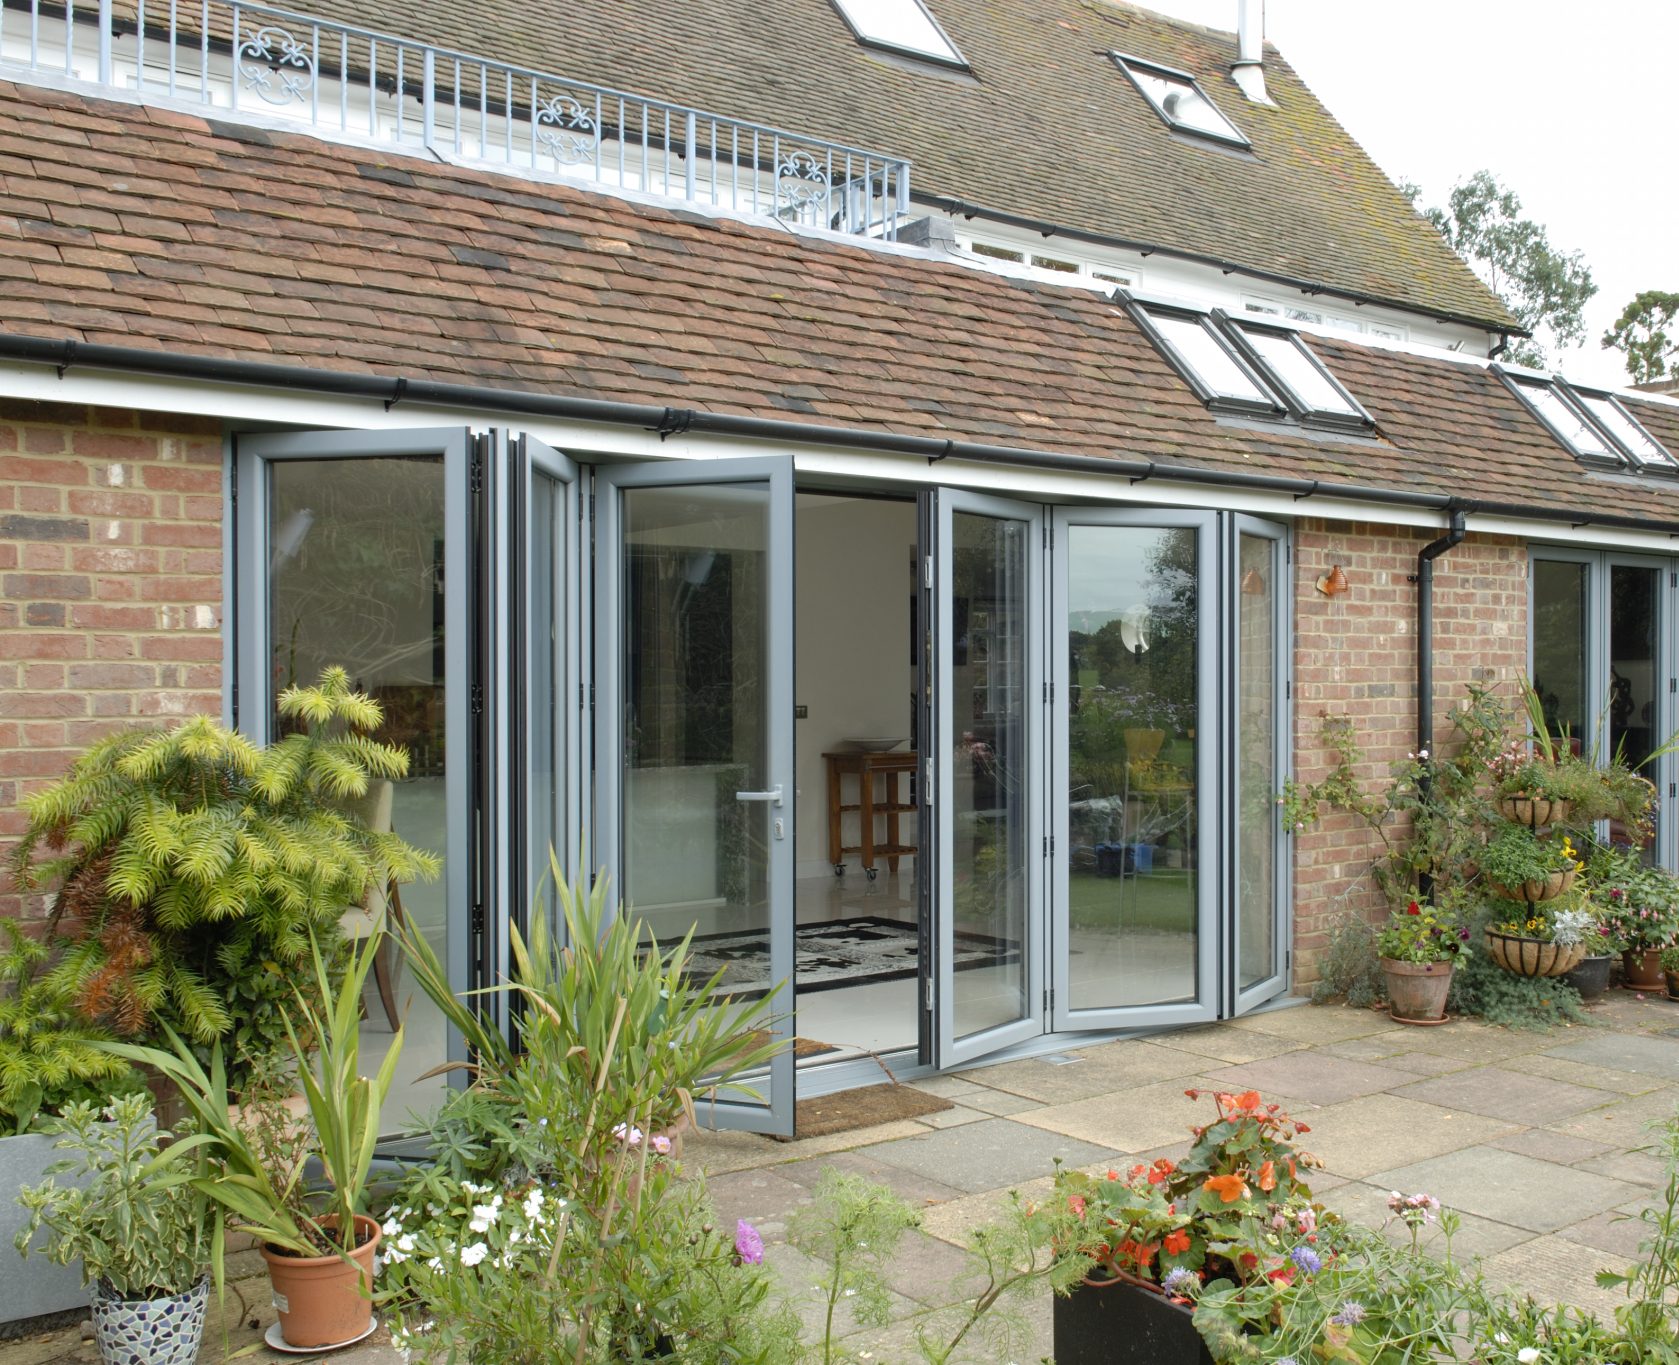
(1533, 956)
(1533, 811)
(1673, 985)
(1417, 990)
(1536, 890)
(1641, 969)
(325, 1300)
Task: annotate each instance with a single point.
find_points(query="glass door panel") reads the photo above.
(1633, 701)
(1562, 648)
(1260, 760)
(359, 552)
(695, 638)
(1135, 718)
(987, 747)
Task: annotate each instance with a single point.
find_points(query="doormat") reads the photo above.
(853, 1109)
(802, 1047)
(835, 954)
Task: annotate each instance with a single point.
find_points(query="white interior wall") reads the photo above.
(852, 599)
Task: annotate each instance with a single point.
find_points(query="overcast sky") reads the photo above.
(1573, 106)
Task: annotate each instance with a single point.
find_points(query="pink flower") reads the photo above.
(749, 1246)
(661, 1144)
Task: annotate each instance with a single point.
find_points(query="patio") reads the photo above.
(1528, 1136)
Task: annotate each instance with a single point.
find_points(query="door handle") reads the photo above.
(773, 796)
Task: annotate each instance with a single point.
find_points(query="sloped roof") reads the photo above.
(143, 227)
(1044, 127)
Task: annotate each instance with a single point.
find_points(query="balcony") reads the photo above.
(274, 67)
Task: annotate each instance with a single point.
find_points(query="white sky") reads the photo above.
(1573, 106)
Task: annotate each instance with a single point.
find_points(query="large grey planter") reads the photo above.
(36, 1287)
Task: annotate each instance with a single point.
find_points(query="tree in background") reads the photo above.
(1545, 288)
(1642, 333)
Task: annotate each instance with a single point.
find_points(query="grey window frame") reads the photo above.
(1621, 459)
(1142, 312)
(1131, 65)
(914, 54)
(1357, 420)
(1578, 393)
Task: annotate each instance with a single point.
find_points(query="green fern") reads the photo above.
(191, 867)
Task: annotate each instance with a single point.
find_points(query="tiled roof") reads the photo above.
(143, 227)
(1045, 127)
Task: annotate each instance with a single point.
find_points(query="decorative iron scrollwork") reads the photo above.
(801, 187)
(566, 129)
(276, 66)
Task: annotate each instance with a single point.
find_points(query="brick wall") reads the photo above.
(110, 585)
(1356, 654)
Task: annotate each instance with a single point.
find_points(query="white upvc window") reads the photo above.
(904, 26)
(1179, 99)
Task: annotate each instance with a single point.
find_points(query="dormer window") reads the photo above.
(1303, 381)
(905, 26)
(1178, 98)
(1206, 358)
(1250, 368)
(1593, 425)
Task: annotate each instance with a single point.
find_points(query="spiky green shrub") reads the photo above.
(191, 868)
(49, 1054)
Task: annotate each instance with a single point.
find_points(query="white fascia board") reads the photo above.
(239, 403)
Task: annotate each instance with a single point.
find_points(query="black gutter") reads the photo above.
(1425, 643)
(953, 207)
(65, 355)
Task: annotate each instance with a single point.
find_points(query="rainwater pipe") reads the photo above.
(1424, 579)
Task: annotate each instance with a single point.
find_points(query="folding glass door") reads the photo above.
(1134, 612)
(694, 727)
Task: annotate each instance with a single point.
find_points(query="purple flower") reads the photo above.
(749, 1246)
(1350, 1315)
(1307, 1259)
(1182, 1281)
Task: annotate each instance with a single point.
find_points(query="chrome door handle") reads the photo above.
(773, 796)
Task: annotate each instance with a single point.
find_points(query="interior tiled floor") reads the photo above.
(1530, 1137)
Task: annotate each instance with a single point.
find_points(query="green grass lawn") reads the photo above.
(1164, 899)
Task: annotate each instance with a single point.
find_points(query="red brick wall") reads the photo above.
(110, 585)
(1356, 655)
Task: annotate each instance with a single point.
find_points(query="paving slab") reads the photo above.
(1310, 1076)
(1579, 1073)
(988, 1155)
(1228, 1044)
(1509, 1187)
(799, 1280)
(1500, 1093)
(927, 1269)
(1376, 1132)
(1096, 1071)
(953, 1221)
(1562, 1148)
(1130, 1120)
(958, 1088)
(1637, 1053)
(1310, 1025)
(1480, 1043)
(1616, 1234)
(1000, 1103)
(1367, 1204)
(717, 1153)
(1636, 1168)
(1550, 1268)
(847, 1141)
(954, 1118)
(1624, 1123)
(763, 1196)
(919, 1190)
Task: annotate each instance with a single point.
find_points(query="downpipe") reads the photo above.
(1424, 579)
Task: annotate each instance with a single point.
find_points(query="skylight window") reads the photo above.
(1210, 364)
(1595, 426)
(902, 25)
(1304, 382)
(1179, 99)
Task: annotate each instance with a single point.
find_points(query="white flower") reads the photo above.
(405, 1243)
(1527, 1355)
(391, 1227)
(482, 1216)
(434, 1264)
(533, 1205)
(472, 1255)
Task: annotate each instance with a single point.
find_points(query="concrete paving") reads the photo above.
(1530, 1136)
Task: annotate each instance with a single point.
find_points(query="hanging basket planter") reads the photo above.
(1533, 956)
(1536, 890)
(1533, 811)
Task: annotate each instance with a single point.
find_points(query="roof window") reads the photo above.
(1253, 368)
(1593, 425)
(905, 26)
(1178, 98)
(1303, 381)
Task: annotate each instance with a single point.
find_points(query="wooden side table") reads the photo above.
(894, 803)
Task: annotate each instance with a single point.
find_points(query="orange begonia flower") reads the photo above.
(1229, 1188)
(1177, 1242)
(1267, 1176)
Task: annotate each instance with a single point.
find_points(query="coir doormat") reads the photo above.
(852, 1109)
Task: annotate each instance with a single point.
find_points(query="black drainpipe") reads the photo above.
(1424, 579)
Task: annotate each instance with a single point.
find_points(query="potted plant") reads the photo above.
(49, 1058)
(1419, 946)
(1537, 783)
(1519, 865)
(191, 869)
(1152, 1238)
(1590, 976)
(134, 1217)
(1639, 908)
(1539, 940)
(1670, 968)
(318, 1245)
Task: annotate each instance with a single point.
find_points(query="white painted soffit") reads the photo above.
(836, 465)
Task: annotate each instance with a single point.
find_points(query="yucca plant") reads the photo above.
(193, 870)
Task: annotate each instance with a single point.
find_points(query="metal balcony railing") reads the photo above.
(253, 61)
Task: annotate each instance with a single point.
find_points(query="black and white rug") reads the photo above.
(846, 952)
